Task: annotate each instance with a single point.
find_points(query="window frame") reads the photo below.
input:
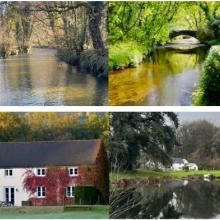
(41, 191)
(41, 171)
(75, 171)
(8, 171)
(71, 192)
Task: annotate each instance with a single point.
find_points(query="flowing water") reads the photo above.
(38, 79)
(168, 78)
(180, 199)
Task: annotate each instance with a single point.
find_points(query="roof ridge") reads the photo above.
(23, 142)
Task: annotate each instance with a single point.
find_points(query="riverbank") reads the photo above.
(207, 91)
(88, 59)
(140, 173)
(125, 55)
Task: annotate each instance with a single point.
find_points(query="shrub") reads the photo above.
(85, 195)
(205, 34)
(94, 62)
(185, 168)
(125, 55)
(208, 91)
(88, 59)
(214, 26)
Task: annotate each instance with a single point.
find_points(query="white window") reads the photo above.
(8, 172)
(40, 171)
(41, 191)
(73, 171)
(70, 191)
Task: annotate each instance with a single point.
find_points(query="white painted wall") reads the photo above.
(177, 166)
(13, 181)
(185, 161)
(193, 167)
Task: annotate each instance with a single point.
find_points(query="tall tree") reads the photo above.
(150, 133)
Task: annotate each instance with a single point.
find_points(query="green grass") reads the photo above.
(140, 173)
(96, 212)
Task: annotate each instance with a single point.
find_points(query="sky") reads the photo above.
(192, 116)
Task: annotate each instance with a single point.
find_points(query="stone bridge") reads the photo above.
(183, 32)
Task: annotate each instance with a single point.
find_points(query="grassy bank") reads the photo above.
(124, 55)
(148, 173)
(53, 212)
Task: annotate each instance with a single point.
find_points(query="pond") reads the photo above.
(179, 199)
(168, 78)
(38, 79)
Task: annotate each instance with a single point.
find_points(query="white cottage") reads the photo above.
(178, 164)
(16, 157)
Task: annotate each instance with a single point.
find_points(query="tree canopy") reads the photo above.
(74, 28)
(133, 134)
(47, 126)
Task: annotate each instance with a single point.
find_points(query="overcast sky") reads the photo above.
(192, 116)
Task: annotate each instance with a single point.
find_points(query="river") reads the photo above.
(179, 199)
(38, 79)
(168, 78)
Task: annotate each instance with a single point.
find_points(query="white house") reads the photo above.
(16, 157)
(178, 164)
(192, 166)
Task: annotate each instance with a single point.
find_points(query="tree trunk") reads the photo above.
(95, 14)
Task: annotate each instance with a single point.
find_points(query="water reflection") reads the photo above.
(197, 199)
(167, 79)
(39, 79)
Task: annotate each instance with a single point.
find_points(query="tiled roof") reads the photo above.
(42, 153)
(190, 164)
(177, 160)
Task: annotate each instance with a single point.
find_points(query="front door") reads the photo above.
(10, 195)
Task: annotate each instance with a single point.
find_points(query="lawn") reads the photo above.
(140, 173)
(96, 212)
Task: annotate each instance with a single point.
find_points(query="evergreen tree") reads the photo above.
(133, 133)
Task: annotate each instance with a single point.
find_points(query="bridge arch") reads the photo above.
(183, 32)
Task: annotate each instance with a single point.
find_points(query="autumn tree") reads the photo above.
(12, 127)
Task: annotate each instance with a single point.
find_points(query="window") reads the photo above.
(70, 191)
(73, 171)
(41, 172)
(8, 172)
(41, 191)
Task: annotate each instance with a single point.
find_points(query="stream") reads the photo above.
(39, 79)
(168, 78)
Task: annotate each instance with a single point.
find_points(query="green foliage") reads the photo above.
(145, 22)
(94, 62)
(126, 55)
(134, 133)
(204, 34)
(185, 168)
(47, 126)
(207, 93)
(214, 25)
(85, 195)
